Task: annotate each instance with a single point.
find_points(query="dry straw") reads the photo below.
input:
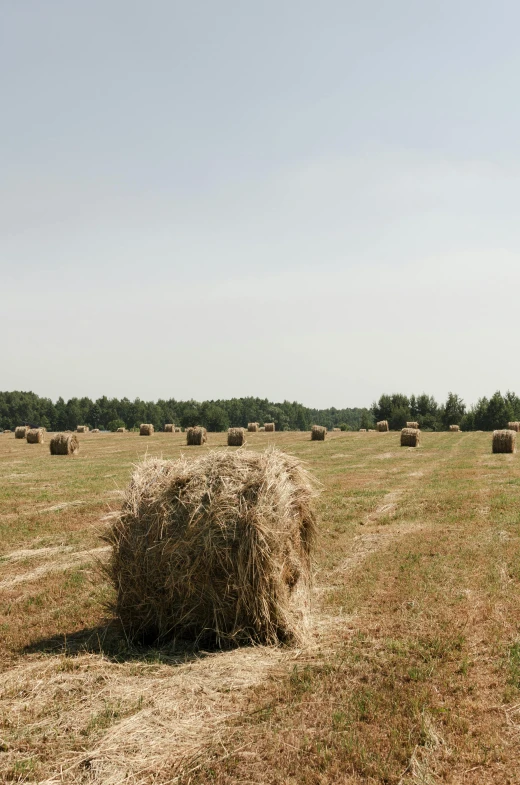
(215, 550)
(412, 425)
(252, 427)
(235, 437)
(318, 433)
(410, 437)
(382, 426)
(120, 430)
(269, 426)
(362, 430)
(169, 428)
(504, 441)
(454, 428)
(196, 436)
(146, 429)
(514, 426)
(82, 429)
(64, 444)
(35, 436)
(21, 431)
(94, 430)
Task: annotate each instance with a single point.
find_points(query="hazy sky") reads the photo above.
(284, 198)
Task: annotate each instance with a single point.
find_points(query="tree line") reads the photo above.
(20, 408)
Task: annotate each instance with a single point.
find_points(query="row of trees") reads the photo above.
(18, 408)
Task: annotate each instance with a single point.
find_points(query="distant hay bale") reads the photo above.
(261, 428)
(169, 428)
(35, 436)
(371, 430)
(177, 430)
(216, 549)
(64, 444)
(120, 430)
(412, 425)
(336, 430)
(382, 426)
(269, 426)
(235, 437)
(146, 429)
(196, 436)
(82, 429)
(454, 428)
(362, 430)
(318, 433)
(94, 430)
(252, 427)
(504, 441)
(21, 431)
(7, 430)
(514, 426)
(410, 437)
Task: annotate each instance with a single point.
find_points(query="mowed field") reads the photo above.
(411, 672)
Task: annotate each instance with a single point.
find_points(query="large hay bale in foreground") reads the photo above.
(269, 426)
(382, 426)
(514, 426)
(454, 428)
(169, 428)
(35, 436)
(318, 433)
(21, 431)
(146, 429)
(504, 441)
(412, 425)
(196, 436)
(252, 427)
(215, 550)
(82, 429)
(64, 444)
(235, 437)
(410, 437)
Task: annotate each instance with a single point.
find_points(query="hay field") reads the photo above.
(411, 673)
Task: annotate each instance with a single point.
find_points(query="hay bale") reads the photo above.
(94, 430)
(362, 430)
(64, 444)
(382, 426)
(196, 436)
(454, 428)
(7, 430)
(35, 436)
(235, 437)
(177, 430)
(261, 428)
(372, 430)
(410, 437)
(21, 431)
(252, 427)
(412, 425)
(216, 549)
(146, 429)
(504, 441)
(269, 426)
(82, 429)
(120, 430)
(336, 430)
(514, 426)
(169, 428)
(318, 433)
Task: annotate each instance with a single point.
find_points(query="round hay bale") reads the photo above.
(216, 549)
(362, 430)
(35, 436)
(120, 430)
(269, 426)
(371, 430)
(64, 444)
(336, 430)
(146, 429)
(410, 437)
(94, 430)
(82, 429)
(261, 428)
(412, 425)
(252, 427)
(514, 426)
(20, 432)
(169, 428)
(235, 437)
(196, 436)
(318, 433)
(504, 441)
(7, 430)
(454, 428)
(382, 426)
(177, 430)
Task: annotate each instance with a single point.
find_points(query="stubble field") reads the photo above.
(411, 673)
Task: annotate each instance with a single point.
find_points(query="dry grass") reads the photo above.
(64, 444)
(504, 441)
(236, 437)
(318, 433)
(35, 436)
(146, 429)
(382, 426)
(196, 436)
(410, 437)
(232, 535)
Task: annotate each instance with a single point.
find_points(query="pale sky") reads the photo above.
(290, 199)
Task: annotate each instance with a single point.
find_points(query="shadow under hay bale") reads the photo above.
(514, 426)
(269, 426)
(64, 444)
(216, 550)
(454, 428)
(410, 437)
(146, 429)
(504, 441)
(169, 428)
(35, 436)
(252, 427)
(235, 437)
(412, 425)
(196, 436)
(21, 432)
(382, 426)
(318, 433)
